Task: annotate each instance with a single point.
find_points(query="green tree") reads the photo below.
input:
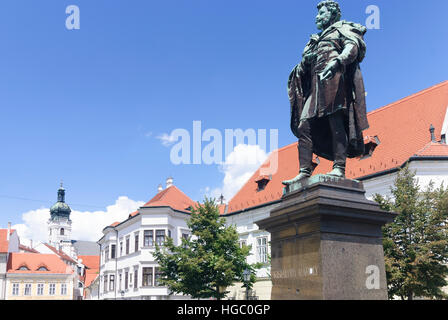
(416, 243)
(209, 260)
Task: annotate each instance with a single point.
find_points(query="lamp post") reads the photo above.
(122, 293)
(246, 276)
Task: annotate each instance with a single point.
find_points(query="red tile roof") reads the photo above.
(92, 264)
(402, 128)
(33, 261)
(171, 197)
(61, 253)
(433, 149)
(27, 249)
(4, 244)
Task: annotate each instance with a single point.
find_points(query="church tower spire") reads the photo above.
(59, 224)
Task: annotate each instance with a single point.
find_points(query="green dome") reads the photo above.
(60, 208)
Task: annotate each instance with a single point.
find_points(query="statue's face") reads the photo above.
(323, 18)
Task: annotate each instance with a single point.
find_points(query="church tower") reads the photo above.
(60, 225)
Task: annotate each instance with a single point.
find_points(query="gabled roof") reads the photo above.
(4, 243)
(33, 261)
(171, 197)
(27, 249)
(60, 253)
(401, 127)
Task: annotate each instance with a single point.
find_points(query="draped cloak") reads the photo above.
(300, 88)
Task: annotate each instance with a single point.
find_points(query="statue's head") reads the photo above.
(329, 13)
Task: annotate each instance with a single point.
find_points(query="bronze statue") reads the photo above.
(327, 96)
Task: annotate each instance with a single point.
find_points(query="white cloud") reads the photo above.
(239, 166)
(167, 139)
(86, 225)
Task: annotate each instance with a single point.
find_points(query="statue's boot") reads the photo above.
(303, 174)
(338, 171)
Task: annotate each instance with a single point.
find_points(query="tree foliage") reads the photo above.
(209, 260)
(416, 243)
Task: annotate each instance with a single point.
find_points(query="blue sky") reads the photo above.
(87, 105)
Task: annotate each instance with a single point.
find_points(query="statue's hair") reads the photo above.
(333, 7)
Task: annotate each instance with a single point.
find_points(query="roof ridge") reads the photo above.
(414, 95)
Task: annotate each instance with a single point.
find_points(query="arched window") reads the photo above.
(23, 268)
(62, 231)
(42, 268)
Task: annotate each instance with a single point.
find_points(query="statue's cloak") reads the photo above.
(299, 88)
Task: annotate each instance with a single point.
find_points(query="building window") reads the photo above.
(106, 254)
(262, 249)
(121, 248)
(40, 289)
(80, 284)
(169, 233)
(136, 245)
(62, 231)
(158, 275)
(112, 282)
(52, 289)
(127, 245)
(63, 289)
(120, 278)
(148, 238)
(105, 283)
(15, 289)
(23, 268)
(126, 279)
(80, 270)
(147, 277)
(160, 237)
(136, 278)
(27, 291)
(112, 251)
(243, 243)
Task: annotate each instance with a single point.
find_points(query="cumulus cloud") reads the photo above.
(86, 225)
(239, 166)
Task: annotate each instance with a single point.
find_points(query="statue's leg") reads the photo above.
(305, 152)
(340, 143)
(305, 147)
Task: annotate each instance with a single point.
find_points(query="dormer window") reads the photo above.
(370, 144)
(42, 268)
(262, 181)
(23, 268)
(62, 231)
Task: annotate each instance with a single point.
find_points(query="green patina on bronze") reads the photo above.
(327, 95)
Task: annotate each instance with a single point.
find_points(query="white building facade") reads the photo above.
(128, 269)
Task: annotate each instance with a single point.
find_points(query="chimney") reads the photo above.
(431, 130)
(169, 182)
(160, 188)
(9, 231)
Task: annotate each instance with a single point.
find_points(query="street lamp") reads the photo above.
(122, 293)
(246, 277)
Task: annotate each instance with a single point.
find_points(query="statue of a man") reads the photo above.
(326, 91)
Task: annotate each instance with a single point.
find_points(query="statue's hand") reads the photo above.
(330, 70)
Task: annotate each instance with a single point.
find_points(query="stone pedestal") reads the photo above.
(326, 242)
